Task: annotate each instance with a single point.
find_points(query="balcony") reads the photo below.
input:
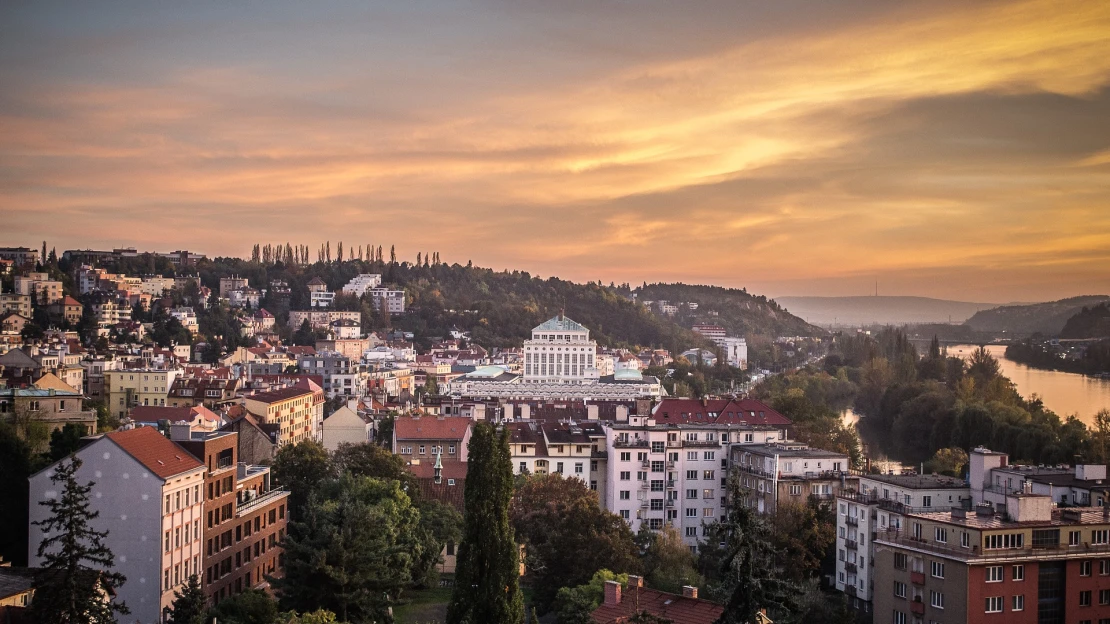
(852, 520)
(851, 545)
(851, 590)
(633, 443)
(260, 501)
(917, 606)
(705, 443)
(917, 578)
(851, 567)
(670, 502)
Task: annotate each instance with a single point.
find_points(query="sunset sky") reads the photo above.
(947, 149)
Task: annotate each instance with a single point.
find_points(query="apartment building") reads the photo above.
(68, 309)
(571, 449)
(45, 290)
(127, 388)
(671, 466)
(993, 477)
(361, 283)
(211, 392)
(228, 284)
(321, 319)
(244, 517)
(386, 300)
(789, 472)
(148, 492)
(1024, 562)
(419, 439)
(560, 351)
(346, 426)
(15, 302)
(295, 410)
(187, 317)
(20, 255)
(342, 375)
(881, 503)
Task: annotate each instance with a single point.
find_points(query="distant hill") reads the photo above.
(737, 310)
(847, 311)
(1047, 318)
(1089, 323)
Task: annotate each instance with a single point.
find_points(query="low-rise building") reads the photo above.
(346, 426)
(228, 284)
(130, 387)
(187, 317)
(362, 283)
(68, 309)
(419, 439)
(15, 302)
(53, 406)
(321, 319)
(621, 604)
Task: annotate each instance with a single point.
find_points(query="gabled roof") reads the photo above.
(16, 358)
(559, 323)
(316, 281)
(70, 301)
(281, 394)
(431, 428)
(154, 451)
(674, 607)
(51, 381)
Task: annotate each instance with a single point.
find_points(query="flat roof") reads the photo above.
(919, 482)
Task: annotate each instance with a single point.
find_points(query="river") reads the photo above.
(1063, 393)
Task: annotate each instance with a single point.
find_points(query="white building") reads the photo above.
(244, 297)
(346, 426)
(788, 472)
(362, 283)
(386, 300)
(149, 493)
(734, 350)
(881, 504)
(671, 467)
(560, 351)
(187, 317)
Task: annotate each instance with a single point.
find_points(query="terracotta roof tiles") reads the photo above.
(160, 455)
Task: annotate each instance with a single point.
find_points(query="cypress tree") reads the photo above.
(76, 572)
(487, 576)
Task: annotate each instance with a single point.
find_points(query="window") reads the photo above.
(993, 604)
(709, 475)
(624, 514)
(691, 456)
(900, 560)
(691, 512)
(708, 494)
(1018, 573)
(658, 447)
(795, 490)
(577, 467)
(938, 569)
(656, 485)
(692, 475)
(936, 599)
(994, 574)
(899, 589)
(1104, 596)
(523, 467)
(707, 512)
(1073, 538)
(940, 534)
(899, 617)
(1019, 602)
(657, 504)
(965, 540)
(167, 579)
(1104, 567)
(1004, 540)
(927, 501)
(658, 466)
(1085, 598)
(691, 531)
(626, 476)
(709, 456)
(167, 541)
(626, 456)
(626, 495)
(1085, 568)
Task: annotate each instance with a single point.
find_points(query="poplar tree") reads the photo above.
(75, 580)
(487, 574)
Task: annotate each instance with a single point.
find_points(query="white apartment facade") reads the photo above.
(386, 300)
(362, 283)
(673, 474)
(560, 351)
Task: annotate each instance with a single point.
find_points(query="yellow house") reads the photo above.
(132, 387)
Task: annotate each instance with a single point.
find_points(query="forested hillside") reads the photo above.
(738, 311)
(1091, 322)
(1047, 318)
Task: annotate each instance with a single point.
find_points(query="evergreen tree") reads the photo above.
(65, 441)
(750, 566)
(487, 583)
(190, 603)
(75, 577)
(393, 254)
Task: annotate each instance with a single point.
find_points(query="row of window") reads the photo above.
(181, 573)
(177, 499)
(191, 534)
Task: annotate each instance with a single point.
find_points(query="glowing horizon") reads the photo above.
(953, 150)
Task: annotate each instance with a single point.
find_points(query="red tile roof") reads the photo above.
(70, 301)
(281, 394)
(673, 607)
(152, 449)
(431, 428)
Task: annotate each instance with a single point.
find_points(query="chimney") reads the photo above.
(612, 593)
(689, 592)
(635, 581)
(622, 413)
